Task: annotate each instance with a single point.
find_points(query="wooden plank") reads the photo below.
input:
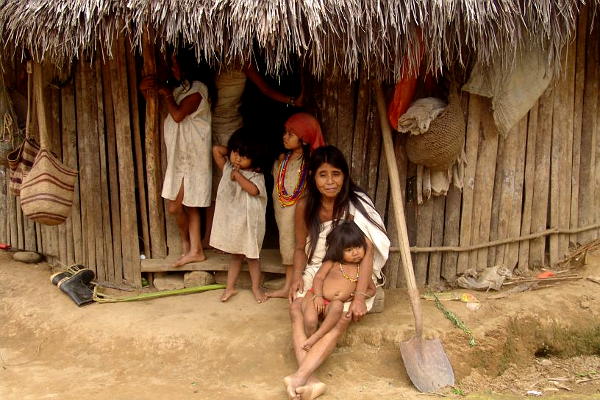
(359, 141)
(69, 142)
(329, 110)
(373, 150)
(107, 241)
(158, 240)
(497, 199)
(541, 185)
(424, 224)
(270, 262)
(12, 215)
(346, 94)
(511, 255)
(437, 239)
(140, 168)
(4, 232)
(20, 226)
(52, 104)
(529, 178)
(484, 186)
(580, 56)
(113, 177)
(129, 232)
(588, 138)
(471, 150)
(451, 233)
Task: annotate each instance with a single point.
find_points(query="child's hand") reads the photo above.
(319, 304)
(234, 171)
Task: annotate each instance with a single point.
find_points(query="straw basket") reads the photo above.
(441, 145)
(20, 162)
(47, 190)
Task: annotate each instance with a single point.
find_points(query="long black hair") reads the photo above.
(349, 193)
(346, 235)
(191, 70)
(242, 142)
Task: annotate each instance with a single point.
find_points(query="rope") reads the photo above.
(500, 242)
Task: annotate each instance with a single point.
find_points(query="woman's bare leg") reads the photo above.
(313, 388)
(195, 252)
(315, 357)
(283, 292)
(254, 269)
(333, 313)
(235, 266)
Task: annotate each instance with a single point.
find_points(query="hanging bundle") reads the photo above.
(47, 190)
(441, 145)
(10, 134)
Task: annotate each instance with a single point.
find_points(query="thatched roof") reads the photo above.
(326, 35)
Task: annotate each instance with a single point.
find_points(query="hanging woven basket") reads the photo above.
(441, 145)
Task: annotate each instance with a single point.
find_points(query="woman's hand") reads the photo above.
(296, 286)
(149, 82)
(358, 308)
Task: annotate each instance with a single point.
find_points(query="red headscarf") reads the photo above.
(307, 128)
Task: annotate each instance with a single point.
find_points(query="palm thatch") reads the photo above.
(325, 35)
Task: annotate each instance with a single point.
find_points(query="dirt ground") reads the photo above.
(194, 347)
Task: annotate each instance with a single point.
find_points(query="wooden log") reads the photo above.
(382, 192)
(69, 142)
(97, 125)
(541, 183)
(581, 35)
(107, 240)
(129, 232)
(158, 242)
(424, 225)
(53, 107)
(345, 117)
(373, 150)
(437, 239)
(484, 187)
(529, 179)
(471, 150)
(358, 159)
(511, 254)
(451, 233)
(113, 176)
(329, 109)
(20, 226)
(12, 217)
(497, 199)
(588, 138)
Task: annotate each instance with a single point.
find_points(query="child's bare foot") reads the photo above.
(259, 295)
(185, 244)
(309, 343)
(189, 258)
(311, 390)
(281, 293)
(228, 294)
(291, 383)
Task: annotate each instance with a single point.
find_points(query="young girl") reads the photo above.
(239, 220)
(302, 135)
(335, 282)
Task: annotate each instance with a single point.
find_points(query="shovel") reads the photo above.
(425, 360)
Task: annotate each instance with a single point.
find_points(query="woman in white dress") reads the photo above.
(187, 134)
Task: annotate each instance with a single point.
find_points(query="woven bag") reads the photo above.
(441, 145)
(20, 162)
(47, 190)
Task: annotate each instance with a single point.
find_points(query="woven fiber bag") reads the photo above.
(47, 190)
(441, 145)
(20, 162)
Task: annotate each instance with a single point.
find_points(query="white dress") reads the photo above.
(189, 158)
(239, 221)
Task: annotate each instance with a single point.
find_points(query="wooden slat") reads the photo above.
(424, 223)
(529, 179)
(578, 117)
(484, 187)
(113, 176)
(497, 199)
(437, 239)
(329, 110)
(346, 94)
(373, 150)
(20, 244)
(542, 177)
(129, 232)
(4, 231)
(359, 141)
(12, 216)
(471, 149)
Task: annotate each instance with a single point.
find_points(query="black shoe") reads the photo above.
(76, 286)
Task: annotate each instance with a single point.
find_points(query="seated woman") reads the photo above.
(332, 198)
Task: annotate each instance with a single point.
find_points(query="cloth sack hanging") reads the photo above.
(20, 162)
(47, 190)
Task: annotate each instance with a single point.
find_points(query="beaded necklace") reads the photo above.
(345, 275)
(286, 199)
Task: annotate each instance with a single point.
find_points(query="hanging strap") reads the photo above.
(38, 88)
(29, 69)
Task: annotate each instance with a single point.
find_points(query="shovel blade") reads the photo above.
(427, 364)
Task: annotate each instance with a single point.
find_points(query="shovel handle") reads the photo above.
(397, 202)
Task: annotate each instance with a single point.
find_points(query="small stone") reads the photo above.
(168, 281)
(545, 362)
(198, 278)
(30, 257)
(379, 302)
(243, 281)
(584, 304)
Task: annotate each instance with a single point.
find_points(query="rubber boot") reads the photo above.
(76, 286)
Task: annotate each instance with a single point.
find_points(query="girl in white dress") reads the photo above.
(187, 135)
(239, 220)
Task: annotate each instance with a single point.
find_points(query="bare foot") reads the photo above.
(281, 293)
(259, 295)
(309, 343)
(312, 390)
(189, 258)
(227, 294)
(290, 387)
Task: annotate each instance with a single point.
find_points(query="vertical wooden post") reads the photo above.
(153, 144)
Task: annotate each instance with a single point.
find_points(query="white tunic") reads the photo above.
(239, 220)
(188, 144)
